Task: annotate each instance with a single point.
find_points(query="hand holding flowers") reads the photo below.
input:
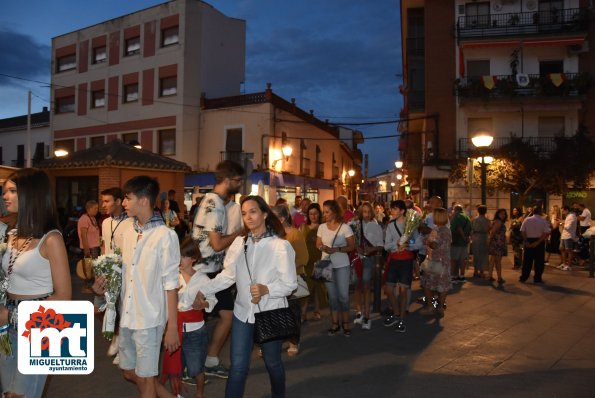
(108, 269)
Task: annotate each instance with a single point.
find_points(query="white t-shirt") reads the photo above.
(338, 259)
(587, 221)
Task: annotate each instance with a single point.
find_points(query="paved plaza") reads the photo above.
(518, 340)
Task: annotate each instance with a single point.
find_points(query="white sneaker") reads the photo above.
(367, 325)
(358, 318)
(561, 266)
(113, 347)
(116, 360)
(567, 268)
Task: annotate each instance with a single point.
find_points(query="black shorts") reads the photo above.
(400, 273)
(225, 298)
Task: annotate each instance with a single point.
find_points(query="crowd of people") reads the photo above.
(231, 261)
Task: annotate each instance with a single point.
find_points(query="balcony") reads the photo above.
(570, 85)
(236, 156)
(335, 172)
(542, 146)
(550, 22)
(416, 46)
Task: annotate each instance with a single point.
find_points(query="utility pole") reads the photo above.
(28, 143)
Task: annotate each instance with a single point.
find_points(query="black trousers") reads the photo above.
(533, 255)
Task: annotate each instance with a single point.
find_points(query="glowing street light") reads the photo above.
(398, 164)
(60, 153)
(481, 141)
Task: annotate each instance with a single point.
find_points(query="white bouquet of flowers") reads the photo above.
(412, 221)
(110, 266)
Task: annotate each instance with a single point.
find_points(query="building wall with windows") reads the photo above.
(516, 69)
(253, 129)
(13, 139)
(139, 77)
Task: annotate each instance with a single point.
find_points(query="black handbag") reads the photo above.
(323, 269)
(277, 324)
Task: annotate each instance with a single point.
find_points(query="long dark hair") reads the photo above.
(271, 221)
(37, 213)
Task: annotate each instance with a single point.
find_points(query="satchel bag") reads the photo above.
(432, 267)
(302, 289)
(323, 269)
(277, 324)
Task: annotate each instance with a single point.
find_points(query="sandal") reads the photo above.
(346, 331)
(333, 330)
(317, 316)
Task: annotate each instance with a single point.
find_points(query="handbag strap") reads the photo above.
(336, 233)
(247, 267)
(397, 228)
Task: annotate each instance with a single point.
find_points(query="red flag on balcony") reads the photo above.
(557, 79)
(461, 62)
(489, 82)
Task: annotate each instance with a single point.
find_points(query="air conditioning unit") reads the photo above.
(578, 48)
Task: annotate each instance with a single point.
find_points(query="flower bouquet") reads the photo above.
(110, 266)
(5, 347)
(412, 221)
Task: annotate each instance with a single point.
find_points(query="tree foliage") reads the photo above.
(521, 167)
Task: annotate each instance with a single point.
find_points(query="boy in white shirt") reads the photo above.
(149, 299)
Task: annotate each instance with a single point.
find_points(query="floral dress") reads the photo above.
(497, 244)
(439, 283)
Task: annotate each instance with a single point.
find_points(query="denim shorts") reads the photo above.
(139, 350)
(568, 244)
(400, 273)
(368, 264)
(194, 351)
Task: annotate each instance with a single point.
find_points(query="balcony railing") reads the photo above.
(236, 156)
(503, 86)
(542, 145)
(523, 23)
(335, 172)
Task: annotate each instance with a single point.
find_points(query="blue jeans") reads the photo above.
(194, 351)
(338, 289)
(242, 341)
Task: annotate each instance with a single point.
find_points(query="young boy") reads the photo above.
(191, 325)
(150, 256)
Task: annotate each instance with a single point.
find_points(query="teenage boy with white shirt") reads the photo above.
(150, 256)
(584, 218)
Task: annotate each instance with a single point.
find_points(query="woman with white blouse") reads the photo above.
(335, 239)
(262, 265)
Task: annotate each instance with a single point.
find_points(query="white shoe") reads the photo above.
(367, 325)
(113, 347)
(561, 266)
(116, 360)
(358, 318)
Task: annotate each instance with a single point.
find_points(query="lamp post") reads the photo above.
(482, 141)
(351, 173)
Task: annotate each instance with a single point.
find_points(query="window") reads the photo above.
(39, 152)
(167, 142)
(96, 141)
(168, 86)
(477, 14)
(550, 126)
(131, 92)
(99, 55)
(129, 138)
(477, 68)
(65, 104)
(20, 156)
(169, 36)
(67, 145)
(98, 99)
(546, 67)
(132, 46)
(65, 63)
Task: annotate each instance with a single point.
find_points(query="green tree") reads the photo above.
(519, 166)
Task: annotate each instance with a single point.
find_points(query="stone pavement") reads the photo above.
(517, 340)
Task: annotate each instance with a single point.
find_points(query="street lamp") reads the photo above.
(481, 141)
(398, 164)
